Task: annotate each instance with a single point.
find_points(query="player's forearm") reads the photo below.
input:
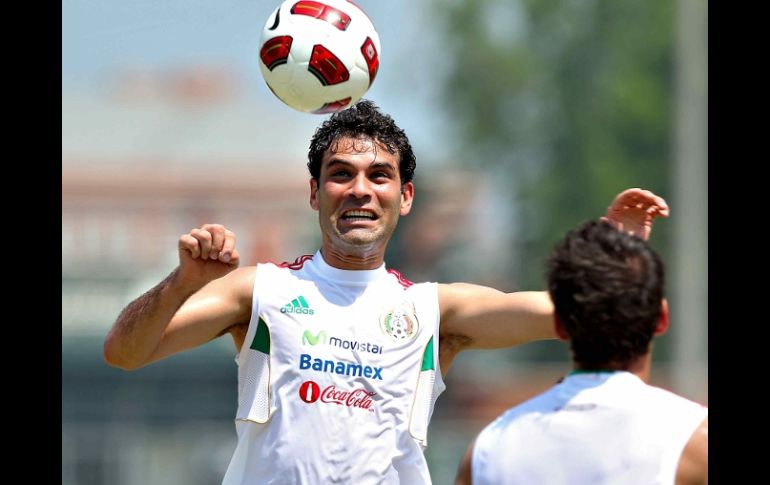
(139, 328)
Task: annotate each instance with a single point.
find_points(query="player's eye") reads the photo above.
(381, 175)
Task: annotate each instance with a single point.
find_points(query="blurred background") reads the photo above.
(527, 117)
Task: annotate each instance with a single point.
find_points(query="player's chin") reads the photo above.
(361, 236)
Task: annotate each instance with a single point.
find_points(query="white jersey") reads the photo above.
(597, 428)
(338, 375)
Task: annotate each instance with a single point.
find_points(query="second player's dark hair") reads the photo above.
(607, 289)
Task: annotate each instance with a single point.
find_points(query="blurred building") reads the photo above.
(120, 226)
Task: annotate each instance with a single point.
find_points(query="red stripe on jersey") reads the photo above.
(404, 282)
(298, 263)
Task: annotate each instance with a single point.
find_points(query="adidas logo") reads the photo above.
(297, 305)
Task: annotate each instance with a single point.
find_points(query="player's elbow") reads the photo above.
(114, 357)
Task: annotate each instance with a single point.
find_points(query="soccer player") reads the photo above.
(340, 359)
(602, 424)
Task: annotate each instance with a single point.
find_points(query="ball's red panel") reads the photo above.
(275, 51)
(333, 106)
(327, 67)
(321, 11)
(372, 59)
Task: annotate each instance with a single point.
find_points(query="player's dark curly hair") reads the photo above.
(363, 120)
(607, 288)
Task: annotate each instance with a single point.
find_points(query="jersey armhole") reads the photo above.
(254, 319)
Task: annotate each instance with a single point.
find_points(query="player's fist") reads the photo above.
(207, 253)
(633, 211)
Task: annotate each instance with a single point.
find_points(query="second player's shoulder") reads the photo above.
(693, 463)
(667, 401)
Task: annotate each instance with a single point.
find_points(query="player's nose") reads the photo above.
(360, 186)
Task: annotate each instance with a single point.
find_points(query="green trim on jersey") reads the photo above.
(261, 342)
(427, 357)
(591, 371)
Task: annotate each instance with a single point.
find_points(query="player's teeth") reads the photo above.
(359, 214)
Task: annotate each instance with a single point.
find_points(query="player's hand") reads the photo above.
(207, 253)
(633, 211)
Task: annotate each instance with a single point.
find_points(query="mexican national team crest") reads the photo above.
(400, 323)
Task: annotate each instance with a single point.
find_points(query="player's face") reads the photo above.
(359, 197)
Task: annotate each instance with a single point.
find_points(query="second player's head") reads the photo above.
(607, 289)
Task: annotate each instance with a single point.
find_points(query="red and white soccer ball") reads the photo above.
(319, 56)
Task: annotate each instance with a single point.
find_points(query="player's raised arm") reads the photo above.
(634, 210)
(478, 317)
(198, 301)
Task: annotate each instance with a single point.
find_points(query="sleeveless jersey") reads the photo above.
(597, 428)
(338, 376)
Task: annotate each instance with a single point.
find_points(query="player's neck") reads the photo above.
(639, 367)
(341, 260)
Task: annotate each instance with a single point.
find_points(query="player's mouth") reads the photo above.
(358, 215)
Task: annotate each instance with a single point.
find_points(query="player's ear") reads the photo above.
(561, 332)
(663, 323)
(313, 193)
(407, 197)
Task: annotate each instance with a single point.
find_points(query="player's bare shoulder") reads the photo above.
(693, 465)
(242, 281)
(235, 291)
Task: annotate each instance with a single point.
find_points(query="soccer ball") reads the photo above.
(319, 56)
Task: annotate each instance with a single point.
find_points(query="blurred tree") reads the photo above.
(566, 103)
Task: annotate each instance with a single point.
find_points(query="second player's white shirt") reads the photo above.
(338, 376)
(592, 428)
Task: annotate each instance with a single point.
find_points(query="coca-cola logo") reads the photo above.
(311, 392)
